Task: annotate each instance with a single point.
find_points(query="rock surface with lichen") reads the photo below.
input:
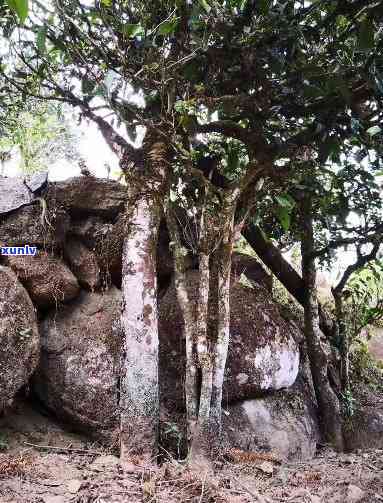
(263, 352)
(83, 263)
(19, 337)
(284, 423)
(77, 377)
(46, 277)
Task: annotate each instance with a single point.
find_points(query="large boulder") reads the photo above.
(78, 373)
(13, 194)
(105, 240)
(48, 280)
(88, 195)
(83, 263)
(16, 192)
(252, 269)
(365, 429)
(375, 343)
(25, 226)
(283, 424)
(263, 352)
(19, 337)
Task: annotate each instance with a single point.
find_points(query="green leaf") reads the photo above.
(180, 106)
(41, 39)
(168, 27)
(20, 7)
(132, 30)
(285, 201)
(205, 5)
(233, 161)
(366, 35)
(264, 6)
(87, 86)
(372, 131)
(284, 217)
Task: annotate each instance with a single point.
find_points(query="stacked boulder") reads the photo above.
(71, 287)
(19, 337)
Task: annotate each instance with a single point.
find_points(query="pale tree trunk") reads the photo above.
(139, 389)
(204, 356)
(223, 328)
(200, 447)
(139, 400)
(206, 353)
(145, 171)
(191, 370)
(328, 403)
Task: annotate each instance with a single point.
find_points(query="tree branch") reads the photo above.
(360, 262)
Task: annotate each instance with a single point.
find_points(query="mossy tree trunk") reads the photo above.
(206, 353)
(139, 388)
(328, 403)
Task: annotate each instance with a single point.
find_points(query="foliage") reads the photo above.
(348, 402)
(364, 369)
(284, 73)
(364, 296)
(19, 7)
(39, 132)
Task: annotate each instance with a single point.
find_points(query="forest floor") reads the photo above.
(70, 469)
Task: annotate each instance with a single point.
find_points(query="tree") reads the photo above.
(258, 82)
(41, 133)
(340, 296)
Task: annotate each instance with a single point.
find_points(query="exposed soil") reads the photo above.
(82, 472)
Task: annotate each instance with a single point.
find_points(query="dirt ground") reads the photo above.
(67, 468)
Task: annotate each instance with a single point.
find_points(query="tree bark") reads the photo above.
(191, 370)
(223, 329)
(328, 403)
(344, 343)
(139, 390)
(204, 356)
(139, 401)
(286, 274)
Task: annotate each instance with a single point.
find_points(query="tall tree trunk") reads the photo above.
(343, 338)
(200, 447)
(223, 328)
(139, 399)
(328, 403)
(191, 370)
(139, 390)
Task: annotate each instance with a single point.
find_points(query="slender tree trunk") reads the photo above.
(204, 356)
(206, 353)
(284, 272)
(223, 329)
(200, 448)
(328, 403)
(191, 370)
(343, 341)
